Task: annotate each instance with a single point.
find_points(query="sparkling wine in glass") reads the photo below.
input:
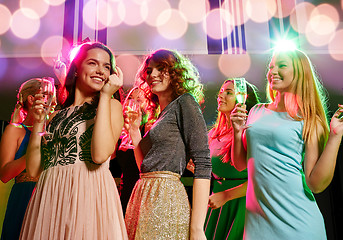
(131, 105)
(48, 91)
(240, 90)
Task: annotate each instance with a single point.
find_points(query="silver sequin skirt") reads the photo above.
(158, 208)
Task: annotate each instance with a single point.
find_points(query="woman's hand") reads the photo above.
(216, 200)
(114, 82)
(336, 124)
(60, 69)
(238, 117)
(38, 107)
(132, 122)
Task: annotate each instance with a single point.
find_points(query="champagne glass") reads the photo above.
(131, 105)
(48, 91)
(240, 90)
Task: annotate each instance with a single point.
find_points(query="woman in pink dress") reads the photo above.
(76, 196)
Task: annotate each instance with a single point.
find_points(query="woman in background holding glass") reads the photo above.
(12, 158)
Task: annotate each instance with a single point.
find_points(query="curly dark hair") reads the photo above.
(184, 77)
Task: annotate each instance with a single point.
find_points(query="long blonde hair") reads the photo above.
(306, 99)
(30, 87)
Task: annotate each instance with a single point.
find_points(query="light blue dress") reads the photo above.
(279, 203)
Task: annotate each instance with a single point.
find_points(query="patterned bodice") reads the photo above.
(70, 139)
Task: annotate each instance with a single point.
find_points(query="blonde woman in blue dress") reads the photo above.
(291, 152)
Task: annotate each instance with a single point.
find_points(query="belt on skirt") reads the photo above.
(161, 174)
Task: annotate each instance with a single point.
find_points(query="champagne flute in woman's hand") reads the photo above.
(240, 90)
(48, 91)
(131, 106)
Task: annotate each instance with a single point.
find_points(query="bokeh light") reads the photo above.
(218, 24)
(114, 15)
(96, 14)
(322, 25)
(237, 11)
(55, 2)
(194, 10)
(335, 46)
(235, 65)
(51, 48)
(134, 16)
(40, 7)
(300, 16)
(5, 19)
(324, 19)
(152, 10)
(25, 23)
(284, 8)
(261, 11)
(175, 24)
(129, 64)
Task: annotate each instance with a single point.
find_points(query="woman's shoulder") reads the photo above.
(14, 131)
(187, 98)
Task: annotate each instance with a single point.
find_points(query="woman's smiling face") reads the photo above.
(281, 72)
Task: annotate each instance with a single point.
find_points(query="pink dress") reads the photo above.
(74, 197)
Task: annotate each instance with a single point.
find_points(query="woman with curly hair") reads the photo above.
(159, 206)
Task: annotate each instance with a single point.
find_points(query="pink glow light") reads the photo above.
(152, 9)
(173, 24)
(134, 16)
(5, 19)
(95, 10)
(336, 47)
(300, 16)
(194, 10)
(25, 23)
(51, 47)
(54, 2)
(129, 64)
(40, 7)
(218, 23)
(322, 25)
(115, 14)
(261, 11)
(284, 8)
(234, 65)
(237, 11)
(324, 19)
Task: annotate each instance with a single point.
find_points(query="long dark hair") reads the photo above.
(66, 94)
